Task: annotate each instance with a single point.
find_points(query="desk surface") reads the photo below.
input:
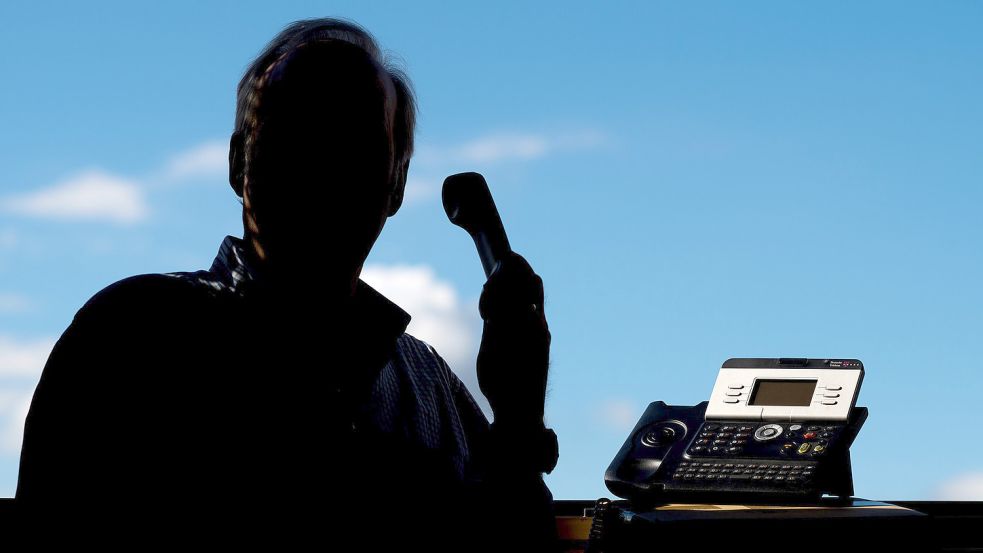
(861, 525)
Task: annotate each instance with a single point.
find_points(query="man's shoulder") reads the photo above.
(139, 292)
(419, 355)
(422, 359)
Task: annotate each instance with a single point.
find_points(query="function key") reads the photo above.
(829, 402)
(728, 428)
(697, 449)
(737, 394)
(795, 427)
(809, 436)
(745, 428)
(735, 386)
(711, 427)
(732, 400)
(804, 448)
(834, 388)
(814, 429)
(734, 450)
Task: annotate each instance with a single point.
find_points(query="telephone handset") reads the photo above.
(773, 429)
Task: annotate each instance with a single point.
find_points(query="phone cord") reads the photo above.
(597, 537)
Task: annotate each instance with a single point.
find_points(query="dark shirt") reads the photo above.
(194, 401)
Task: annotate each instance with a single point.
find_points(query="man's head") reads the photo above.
(322, 143)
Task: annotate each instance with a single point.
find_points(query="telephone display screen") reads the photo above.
(791, 393)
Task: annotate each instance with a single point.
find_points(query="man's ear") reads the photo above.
(237, 162)
(396, 196)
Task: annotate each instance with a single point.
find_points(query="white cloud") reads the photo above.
(510, 146)
(440, 317)
(23, 359)
(14, 405)
(92, 195)
(207, 160)
(964, 487)
(22, 363)
(619, 414)
(15, 303)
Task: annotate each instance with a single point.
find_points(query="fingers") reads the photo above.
(512, 290)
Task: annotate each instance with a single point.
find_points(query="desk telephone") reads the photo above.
(773, 429)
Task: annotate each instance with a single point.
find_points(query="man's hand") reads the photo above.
(513, 360)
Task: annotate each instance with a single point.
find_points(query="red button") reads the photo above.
(809, 435)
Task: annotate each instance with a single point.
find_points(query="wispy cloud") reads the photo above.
(14, 303)
(420, 189)
(207, 160)
(440, 317)
(619, 415)
(92, 195)
(23, 358)
(8, 239)
(432, 162)
(501, 147)
(964, 487)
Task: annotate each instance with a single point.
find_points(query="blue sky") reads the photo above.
(692, 182)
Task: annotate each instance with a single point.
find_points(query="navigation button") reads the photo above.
(768, 432)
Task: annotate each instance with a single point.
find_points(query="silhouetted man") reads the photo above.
(276, 396)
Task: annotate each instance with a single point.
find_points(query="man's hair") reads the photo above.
(295, 37)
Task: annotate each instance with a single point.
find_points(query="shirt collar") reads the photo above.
(371, 308)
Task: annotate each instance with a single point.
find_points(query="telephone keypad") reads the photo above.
(758, 471)
(736, 439)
